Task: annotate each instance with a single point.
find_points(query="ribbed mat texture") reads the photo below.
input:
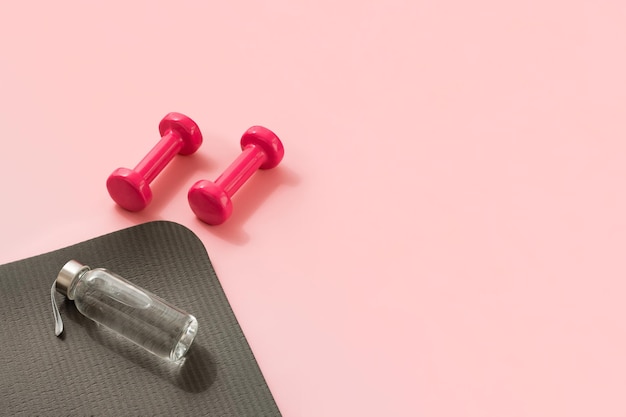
(91, 371)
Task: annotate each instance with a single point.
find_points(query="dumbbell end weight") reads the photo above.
(209, 202)
(267, 140)
(187, 129)
(129, 189)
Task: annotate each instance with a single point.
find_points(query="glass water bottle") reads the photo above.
(133, 312)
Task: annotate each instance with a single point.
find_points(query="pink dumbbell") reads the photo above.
(131, 188)
(210, 201)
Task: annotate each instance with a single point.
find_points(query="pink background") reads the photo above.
(446, 234)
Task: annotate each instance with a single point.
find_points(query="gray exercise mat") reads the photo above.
(91, 371)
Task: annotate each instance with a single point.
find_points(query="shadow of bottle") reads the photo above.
(195, 373)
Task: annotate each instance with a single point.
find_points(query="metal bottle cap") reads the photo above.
(68, 273)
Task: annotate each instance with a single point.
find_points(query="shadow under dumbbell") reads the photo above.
(250, 198)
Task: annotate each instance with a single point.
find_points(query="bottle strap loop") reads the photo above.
(58, 322)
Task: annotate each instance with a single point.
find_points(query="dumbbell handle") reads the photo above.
(242, 168)
(159, 156)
